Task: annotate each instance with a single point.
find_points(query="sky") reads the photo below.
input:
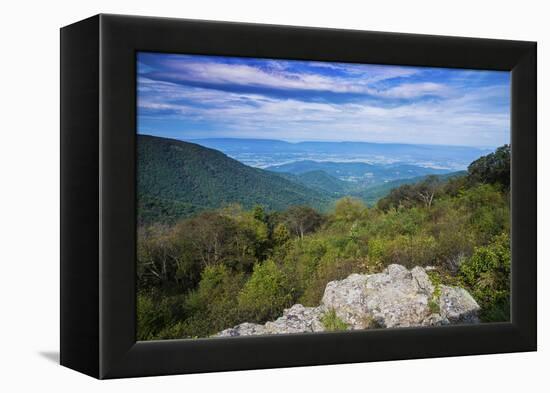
(194, 96)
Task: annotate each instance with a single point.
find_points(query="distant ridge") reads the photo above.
(359, 173)
(243, 141)
(272, 152)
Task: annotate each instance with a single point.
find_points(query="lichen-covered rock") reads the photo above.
(297, 319)
(422, 281)
(457, 305)
(435, 320)
(396, 297)
(244, 329)
(348, 299)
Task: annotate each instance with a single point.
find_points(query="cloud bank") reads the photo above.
(189, 96)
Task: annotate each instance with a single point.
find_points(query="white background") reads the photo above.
(29, 194)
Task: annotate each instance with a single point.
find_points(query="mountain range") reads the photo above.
(177, 179)
(263, 153)
(359, 174)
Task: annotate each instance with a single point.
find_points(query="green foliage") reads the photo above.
(213, 306)
(487, 274)
(259, 213)
(372, 194)
(156, 310)
(332, 322)
(408, 250)
(493, 168)
(175, 256)
(488, 209)
(433, 303)
(302, 220)
(208, 309)
(149, 321)
(281, 234)
(178, 179)
(266, 293)
(329, 269)
(349, 210)
(411, 195)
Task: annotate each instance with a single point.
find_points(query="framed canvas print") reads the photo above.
(239, 196)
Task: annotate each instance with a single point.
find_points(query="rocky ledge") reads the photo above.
(397, 297)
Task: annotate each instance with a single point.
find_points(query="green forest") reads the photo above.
(178, 179)
(214, 268)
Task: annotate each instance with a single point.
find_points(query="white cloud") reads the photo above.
(449, 121)
(277, 76)
(371, 72)
(462, 113)
(412, 90)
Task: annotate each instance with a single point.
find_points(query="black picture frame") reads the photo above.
(98, 193)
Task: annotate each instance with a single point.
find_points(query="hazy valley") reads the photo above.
(178, 179)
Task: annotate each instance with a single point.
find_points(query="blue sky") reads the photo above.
(191, 96)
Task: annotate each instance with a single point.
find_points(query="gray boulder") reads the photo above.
(297, 319)
(457, 305)
(244, 329)
(396, 297)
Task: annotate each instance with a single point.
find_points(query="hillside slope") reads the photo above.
(323, 182)
(177, 179)
(320, 181)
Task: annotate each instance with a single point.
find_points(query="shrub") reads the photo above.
(155, 311)
(332, 323)
(265, 294)
(409, 195)
(487, 275)
(281, 234)
(302, 220)
(376, 252)
(455, 239)
(409, 251)
(330, 269)
(433, 303)
(149, 320)
(210, 308)
(349, 209)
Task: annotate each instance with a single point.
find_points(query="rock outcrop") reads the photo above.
(397, 297)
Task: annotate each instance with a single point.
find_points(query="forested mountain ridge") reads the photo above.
(321, 181)
(177, 179)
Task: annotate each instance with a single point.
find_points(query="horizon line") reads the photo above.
(294, 142)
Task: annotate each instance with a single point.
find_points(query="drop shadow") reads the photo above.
(52, 356)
